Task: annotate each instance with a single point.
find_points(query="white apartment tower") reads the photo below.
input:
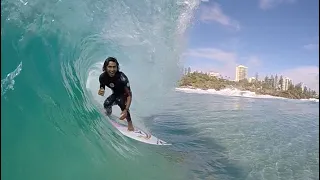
(285, 84)
(241, 72)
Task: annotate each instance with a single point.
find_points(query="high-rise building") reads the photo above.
(241, 72)
(187, 71)
(286, 83)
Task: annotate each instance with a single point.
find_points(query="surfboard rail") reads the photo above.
(138, 134)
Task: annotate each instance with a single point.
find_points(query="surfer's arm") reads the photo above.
(127, 91)
(102, 85)
(129, 97)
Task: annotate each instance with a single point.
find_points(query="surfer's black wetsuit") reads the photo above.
(119, 84)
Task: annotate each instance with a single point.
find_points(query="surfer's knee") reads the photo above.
(107, 103)
(107, 106)
(108, 110)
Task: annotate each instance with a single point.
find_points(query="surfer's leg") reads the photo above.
(122, 104)
(108, 103)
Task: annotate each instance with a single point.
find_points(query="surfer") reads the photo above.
(118, 82)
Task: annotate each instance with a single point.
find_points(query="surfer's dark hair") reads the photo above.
(106, 62)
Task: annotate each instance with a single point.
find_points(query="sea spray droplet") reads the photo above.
(8, 82)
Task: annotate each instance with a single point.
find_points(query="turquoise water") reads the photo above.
(52, 126)
(243, 138)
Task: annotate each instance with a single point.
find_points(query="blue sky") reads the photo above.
(268, 36)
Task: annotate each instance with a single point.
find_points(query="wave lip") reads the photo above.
(8, 82)
(233, 92)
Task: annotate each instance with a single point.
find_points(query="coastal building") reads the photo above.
(187, 70)
(213, 74)
(251, 80)
(241, 72)
(286, 83)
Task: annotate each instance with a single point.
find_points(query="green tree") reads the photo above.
(298, 87)
(266, 79)
(276, 82)
(305, 90)
(309, 92)
(291, 86)
(257, 77)
(281, 82)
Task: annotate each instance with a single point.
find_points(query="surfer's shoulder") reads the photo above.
(123, 77)
(102, 76)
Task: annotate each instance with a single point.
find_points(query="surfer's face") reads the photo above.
(112, 68)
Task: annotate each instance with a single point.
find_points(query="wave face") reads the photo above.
(52, 52)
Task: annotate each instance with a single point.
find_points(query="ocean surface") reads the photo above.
(51, 121)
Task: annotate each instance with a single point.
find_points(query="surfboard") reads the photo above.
(138, 134)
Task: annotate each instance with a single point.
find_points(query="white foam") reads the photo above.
(8, 82)
(310, 99)
(233, 92)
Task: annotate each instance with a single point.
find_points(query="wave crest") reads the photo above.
(8, 82)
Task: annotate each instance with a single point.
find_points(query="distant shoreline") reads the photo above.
(220, 92)
(203, 81)
(225, 89)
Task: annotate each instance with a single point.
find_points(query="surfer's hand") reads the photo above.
(123, 115)
(101, 92)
